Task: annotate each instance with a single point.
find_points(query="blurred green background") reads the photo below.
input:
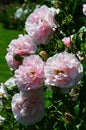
(5, 37)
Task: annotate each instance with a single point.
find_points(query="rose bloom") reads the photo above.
(28, 111)
(12, 62)
(40, 25)
(63, 70)
(30, 75)
(84, 9)
(67, 41)
(22, 46)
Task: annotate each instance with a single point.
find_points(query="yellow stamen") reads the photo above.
(58, 71)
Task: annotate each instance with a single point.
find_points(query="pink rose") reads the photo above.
(63, 70)
(40, 25)
(67, 41)
(30, 75)
(28, 110)
(12, 63)
(22, 46)
(84, 9)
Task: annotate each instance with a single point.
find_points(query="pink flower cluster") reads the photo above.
(30, 71)
(29, 67)
(28, 105)
(40, 28)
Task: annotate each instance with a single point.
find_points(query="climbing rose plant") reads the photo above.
(38, 75)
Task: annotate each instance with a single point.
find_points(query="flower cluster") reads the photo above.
(62, 70)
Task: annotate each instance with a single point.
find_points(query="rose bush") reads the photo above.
(51, 53)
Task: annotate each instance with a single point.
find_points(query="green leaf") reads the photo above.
(82, 29)
(47, 103)
(74, 6)
(48, 94)
(76, 110)
(48, 97)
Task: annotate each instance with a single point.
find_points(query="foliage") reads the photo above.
(7, 15)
